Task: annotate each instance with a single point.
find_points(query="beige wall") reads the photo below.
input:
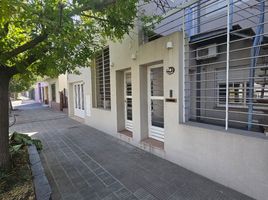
(235, 160)
(51, 82)
(83, 77)
(60, 82)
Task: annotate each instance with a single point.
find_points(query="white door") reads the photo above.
(156, 102)
(79, 100)
(128, 101)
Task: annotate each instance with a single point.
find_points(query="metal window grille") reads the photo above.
(103, 86)
(75, 90)
(226, 64)
(53, 92)
(225, 61)
(82, 96)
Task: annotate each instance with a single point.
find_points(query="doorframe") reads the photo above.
(150, 126)
(128, 123)
(79, 112)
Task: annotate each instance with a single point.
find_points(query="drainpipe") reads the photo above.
(198, 17)
(231, 14)
(189, 21)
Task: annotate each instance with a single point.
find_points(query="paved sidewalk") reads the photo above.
(84, 163)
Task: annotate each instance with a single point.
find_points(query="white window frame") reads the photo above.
(239, 105)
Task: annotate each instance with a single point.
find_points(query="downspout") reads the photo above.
(189, 21)
(231, 14)
(198, 28)
(255, 51)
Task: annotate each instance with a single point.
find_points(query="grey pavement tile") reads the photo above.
(98, 170)
(89, 195)
(74, 196)
(80, 183)
(104, 192)
(109, 180)
(116, 186)
(132, 197)
(142, 194)
(123, 194)
(187, 192)
(55, 195)
(92, 164)
(73, 174)
(104, 175)
(110, 197)
(109, 190)
(80, 160)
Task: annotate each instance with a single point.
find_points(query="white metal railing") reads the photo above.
(227, 87)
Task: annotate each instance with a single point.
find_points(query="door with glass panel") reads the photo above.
(156, 102)
(128, 101)
(79, 100)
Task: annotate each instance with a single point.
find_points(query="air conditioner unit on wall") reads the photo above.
(206, 52)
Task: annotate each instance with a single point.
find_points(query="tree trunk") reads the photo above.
(4, 119)
(10, 103)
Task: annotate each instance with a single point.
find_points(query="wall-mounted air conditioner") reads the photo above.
(206, 52)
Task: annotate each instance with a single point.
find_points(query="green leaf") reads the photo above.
(14, 149)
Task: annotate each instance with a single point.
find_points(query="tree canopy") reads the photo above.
(52, 37)
(20, 83)
(49, 37)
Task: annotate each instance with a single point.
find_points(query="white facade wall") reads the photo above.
(83, 77)
(37, 96)
(61, 84)
(51, 82)
(237, 160)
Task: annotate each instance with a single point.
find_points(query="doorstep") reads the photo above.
(79, 119)
(153, 143)
(126, 133)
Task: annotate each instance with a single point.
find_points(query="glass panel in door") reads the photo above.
(157, 113)
(79, 107)
(156, 103)
(128, 101)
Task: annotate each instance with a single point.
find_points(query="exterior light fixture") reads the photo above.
(169, 45)
(133, 56)
(170, 70)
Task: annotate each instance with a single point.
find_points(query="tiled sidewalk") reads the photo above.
(84, 163)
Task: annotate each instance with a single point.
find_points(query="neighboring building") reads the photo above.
(207, 80)
(79, 93)
(57, 93)
(162, 93)
(40, 92)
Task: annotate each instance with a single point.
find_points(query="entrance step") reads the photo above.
(154, 143)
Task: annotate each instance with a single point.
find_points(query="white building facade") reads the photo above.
(136, 91)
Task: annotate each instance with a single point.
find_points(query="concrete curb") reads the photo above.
(41, 185)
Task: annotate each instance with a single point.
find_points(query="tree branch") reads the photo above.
(104, 3)
(26, 63)
(101, 19)
(94, 17)
(9, 71)
(96, 4)
(29, 45)
(5, 30)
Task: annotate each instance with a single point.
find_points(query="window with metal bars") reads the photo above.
(103, 86)
(226, 64)
(53, 92)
